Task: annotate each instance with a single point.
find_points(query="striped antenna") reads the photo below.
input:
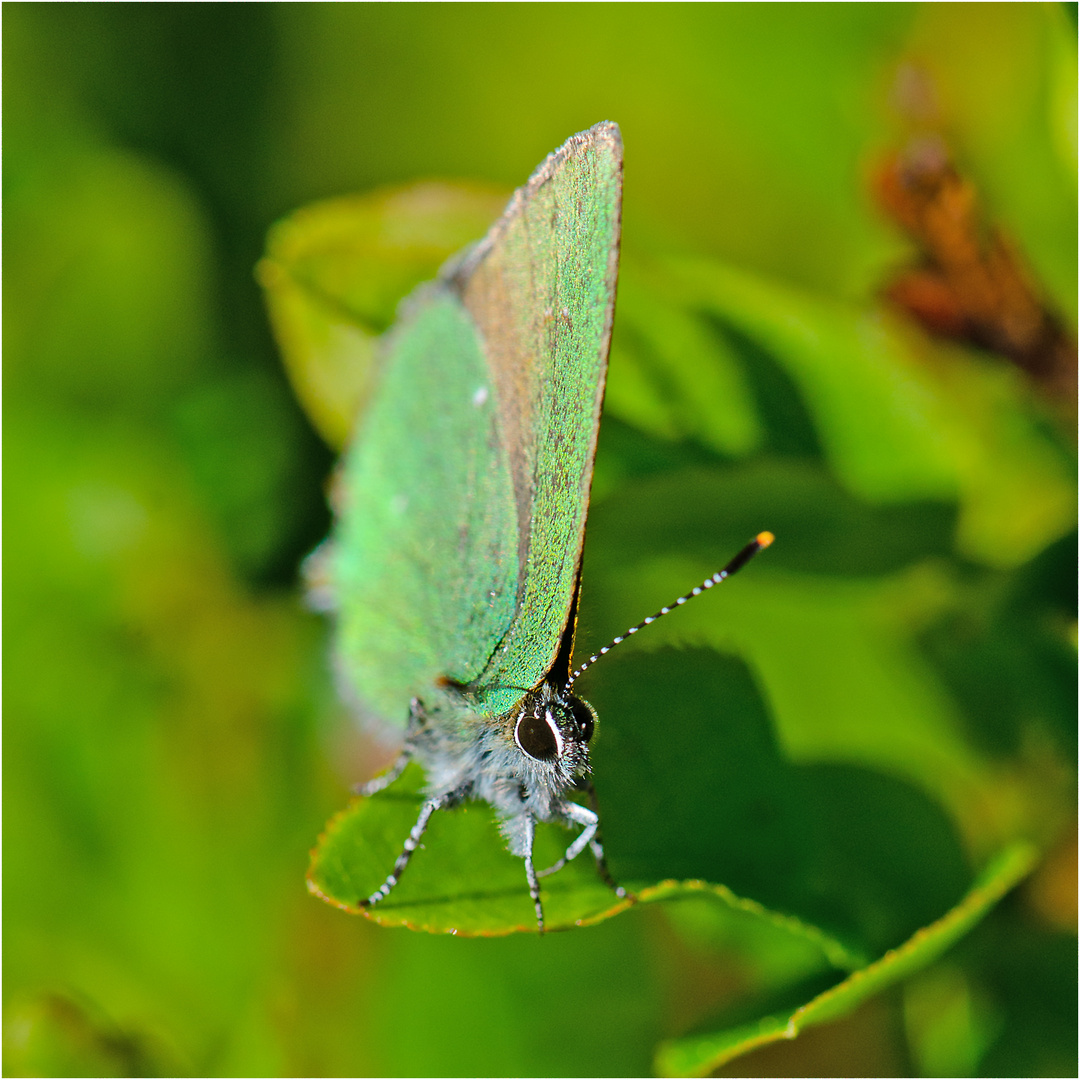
(761, 541)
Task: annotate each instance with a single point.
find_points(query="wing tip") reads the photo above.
(604, 135)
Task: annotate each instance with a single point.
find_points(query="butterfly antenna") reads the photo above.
(760, 542)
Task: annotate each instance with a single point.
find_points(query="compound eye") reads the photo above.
(536, 737)
(584, 717)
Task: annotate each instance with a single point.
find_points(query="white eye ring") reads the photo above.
(559, 744)
(538, 737)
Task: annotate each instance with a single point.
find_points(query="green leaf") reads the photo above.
(463, 881)
(335, 271)
(899, 418)
(700, 1055)
(706, 511)
(825, 618)
(672, 377)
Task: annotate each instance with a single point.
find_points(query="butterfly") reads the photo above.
(454, 563)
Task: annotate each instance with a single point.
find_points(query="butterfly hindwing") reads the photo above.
(425, 552)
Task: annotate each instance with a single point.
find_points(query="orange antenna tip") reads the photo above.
(764, 539)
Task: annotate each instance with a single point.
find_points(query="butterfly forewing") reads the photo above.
(541, 289)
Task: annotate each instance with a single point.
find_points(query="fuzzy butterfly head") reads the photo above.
(525, 761)
(553, 728)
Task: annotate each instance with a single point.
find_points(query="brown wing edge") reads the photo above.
(460, 269)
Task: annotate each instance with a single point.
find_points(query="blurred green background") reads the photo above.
(899, 668)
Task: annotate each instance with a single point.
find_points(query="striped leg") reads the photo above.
(573, 814)
(412, 842)
(605, 873)
(598, 849)
(530, 871)
(385, 779)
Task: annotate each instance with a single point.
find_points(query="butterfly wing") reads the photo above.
(541, 290)
(464, 494)
(424, 556)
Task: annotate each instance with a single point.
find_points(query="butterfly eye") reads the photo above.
(537, 737)
(585, 717)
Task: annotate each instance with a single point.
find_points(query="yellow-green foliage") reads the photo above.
(837, 744)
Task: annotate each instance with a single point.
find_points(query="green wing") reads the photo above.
(541, 289)
(464, 495)
(424, 558)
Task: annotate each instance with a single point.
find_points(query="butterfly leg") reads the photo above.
(412, 842)
(416, 720)
(597, 848)
(530, 871)
(574, 814)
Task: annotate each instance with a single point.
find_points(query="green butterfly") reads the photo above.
(454, 564)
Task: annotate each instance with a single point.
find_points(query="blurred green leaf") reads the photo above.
(700, 1055)
(172, 739)
(705, 512)
(672, 377)
(334, 273)
(1028, 971)
(123, 242)
(241, 436)
(899, 420)
(948, 1022)
(53, 1035)
(1006, 650)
